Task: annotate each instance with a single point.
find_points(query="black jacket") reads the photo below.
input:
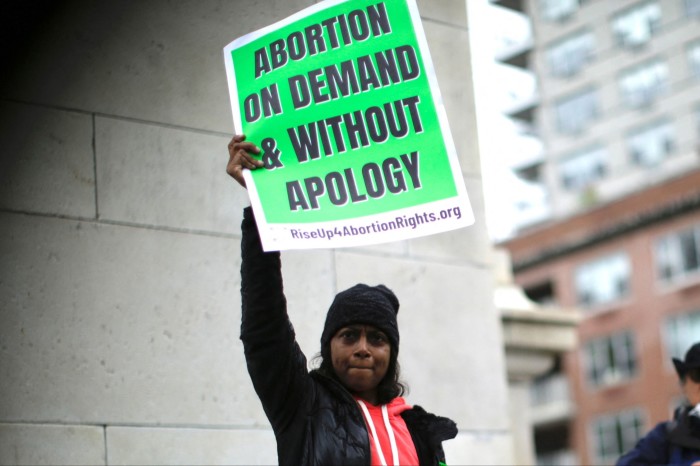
(315, 419)
(674, 442)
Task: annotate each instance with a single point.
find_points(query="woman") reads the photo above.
(678, 441)
(349, 410)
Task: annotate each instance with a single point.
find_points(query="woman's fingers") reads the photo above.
(239, 158)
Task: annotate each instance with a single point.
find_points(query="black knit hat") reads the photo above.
(692, 361)
(363, 304)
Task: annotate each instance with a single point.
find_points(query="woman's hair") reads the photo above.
(692, 374)
(389, 388)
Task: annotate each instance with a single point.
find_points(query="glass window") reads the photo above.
(694, 58)
(615, 434)
(558, 10)
(568, 56)
(640, 85)
(678, 254)
(681, 332)
(635, 25)
(603, 280)
(692, 7)
(611, 359)
(651, 144)
(583, 168)
(575, 112)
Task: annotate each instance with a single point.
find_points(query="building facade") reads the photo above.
(616, 107)
(120, 246)
(633, 267)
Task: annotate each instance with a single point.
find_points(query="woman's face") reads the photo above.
(691, 390)
(360, 355)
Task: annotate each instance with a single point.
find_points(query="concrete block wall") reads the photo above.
(119, 244)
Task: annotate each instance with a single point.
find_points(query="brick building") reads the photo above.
(612, 97)
(633, 265)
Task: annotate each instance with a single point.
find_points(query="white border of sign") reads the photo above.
(292, 236)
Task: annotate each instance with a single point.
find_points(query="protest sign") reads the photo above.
(343, 101)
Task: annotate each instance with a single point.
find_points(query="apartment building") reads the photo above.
(614, 99)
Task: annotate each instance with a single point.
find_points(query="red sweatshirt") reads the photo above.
(379, 431)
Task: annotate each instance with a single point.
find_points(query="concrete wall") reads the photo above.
(119, 244)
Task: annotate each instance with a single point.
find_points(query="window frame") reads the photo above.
(679, 332)
(597, 153)
(564, 47)
(692, 7)
(545, 9)
(643, 136)
(693, 57)
(594, 112)
(654, 68)
(591, 268)
(675, 259)
(638, 417)
(628, 13)
(610, 360)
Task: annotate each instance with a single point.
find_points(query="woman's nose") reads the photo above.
(362, 349)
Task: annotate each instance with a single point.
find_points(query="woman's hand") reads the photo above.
(239, 158)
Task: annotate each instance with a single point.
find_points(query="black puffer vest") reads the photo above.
(315, 419)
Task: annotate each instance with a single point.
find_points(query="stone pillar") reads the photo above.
(533, 337)
(119, 239)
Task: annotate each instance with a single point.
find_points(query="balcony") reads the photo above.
(558, 458)
(516, 5)
(517, 144)
(521, 96)
(513, 37)
(529, 152)
(550, 399)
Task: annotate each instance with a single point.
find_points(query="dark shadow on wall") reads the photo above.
(20, 23)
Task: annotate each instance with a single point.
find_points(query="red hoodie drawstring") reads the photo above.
(390, 431)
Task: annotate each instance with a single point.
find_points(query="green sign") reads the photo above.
(343, 101)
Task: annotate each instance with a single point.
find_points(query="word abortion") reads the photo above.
(338, 31)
